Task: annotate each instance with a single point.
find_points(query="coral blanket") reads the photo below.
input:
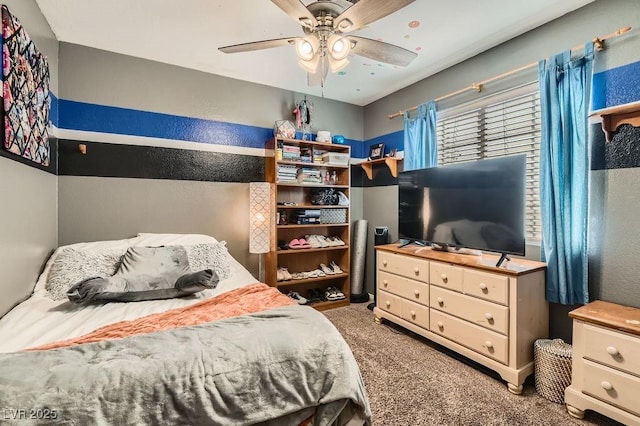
(246, 300)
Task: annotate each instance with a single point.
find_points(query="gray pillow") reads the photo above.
(146, 273)
(72, 266)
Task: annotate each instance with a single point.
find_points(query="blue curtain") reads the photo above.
(565, 89)
(420, 147)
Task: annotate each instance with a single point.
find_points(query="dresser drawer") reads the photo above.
(389, 303)
(612, 348)
(486, 342)
(486, 286)
(416, 313)
(479, 312)
(445, 275)
(612, 386)
(415, 291)
(408, 266)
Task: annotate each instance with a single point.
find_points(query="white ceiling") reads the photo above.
(188, 33)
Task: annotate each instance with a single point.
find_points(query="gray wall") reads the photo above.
(613, 225)
(129, 205)
(29, 200)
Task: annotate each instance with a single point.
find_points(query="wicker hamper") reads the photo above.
(552, 364)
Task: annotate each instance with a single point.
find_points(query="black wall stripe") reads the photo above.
(133, 161)
(381, 177)
(53, 160)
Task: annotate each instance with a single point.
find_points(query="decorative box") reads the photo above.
(338, 158)
(333, 216)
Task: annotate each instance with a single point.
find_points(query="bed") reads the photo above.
(248, 355)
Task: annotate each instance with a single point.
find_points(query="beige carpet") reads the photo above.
(412, 381)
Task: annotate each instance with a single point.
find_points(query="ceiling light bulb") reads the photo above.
(339, 46)
(306, 48)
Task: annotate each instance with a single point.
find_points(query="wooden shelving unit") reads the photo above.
(614, 117)
(391, 162)
(296, 196)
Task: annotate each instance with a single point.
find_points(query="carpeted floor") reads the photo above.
(412, 381)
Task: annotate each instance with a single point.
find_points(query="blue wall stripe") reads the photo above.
(108, 119)
(390, 140)
(616, 86)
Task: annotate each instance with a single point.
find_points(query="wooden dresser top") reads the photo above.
(486, 262)
(612, 315)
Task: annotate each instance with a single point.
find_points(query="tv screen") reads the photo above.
(477, 205)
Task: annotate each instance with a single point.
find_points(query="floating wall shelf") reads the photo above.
(391, 162)
(614, 117)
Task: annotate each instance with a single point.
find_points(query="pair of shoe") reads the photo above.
(299, 243)
(282, 274)
(332, 269)
(332, 293)
(315, 295)
(296, 296)
(320, 241)
(308, 274)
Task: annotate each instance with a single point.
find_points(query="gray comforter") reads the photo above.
(276, 367)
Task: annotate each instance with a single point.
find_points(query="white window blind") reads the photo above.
(496, 127)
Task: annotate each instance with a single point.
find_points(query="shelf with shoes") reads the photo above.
(312, 182)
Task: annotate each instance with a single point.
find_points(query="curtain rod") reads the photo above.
(598, 42)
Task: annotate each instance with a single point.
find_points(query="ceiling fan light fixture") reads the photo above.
(306, 48)
(310, 65)
(337, 64)
(339, 47)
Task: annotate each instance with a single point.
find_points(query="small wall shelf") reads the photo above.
(391, 162)
(614, 117)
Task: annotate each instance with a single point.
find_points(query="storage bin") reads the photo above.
(552, 364)
(337, 158)
(333, 216)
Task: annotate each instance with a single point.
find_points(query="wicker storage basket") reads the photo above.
(552, 363)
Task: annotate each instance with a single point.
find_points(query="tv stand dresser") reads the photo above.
(465, 303)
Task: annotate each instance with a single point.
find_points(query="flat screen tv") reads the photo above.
(475, 205)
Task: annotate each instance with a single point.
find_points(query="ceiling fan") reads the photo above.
(325, 45)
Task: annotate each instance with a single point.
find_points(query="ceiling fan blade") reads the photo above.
(320, 76)
(367, 11)
(381, 51)
(258, 45)
(298, 11)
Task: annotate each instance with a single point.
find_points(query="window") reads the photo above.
(496, 126)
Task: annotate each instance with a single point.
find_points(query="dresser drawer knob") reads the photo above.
(444, 278)
(483, 287)
(606, 385)
(488, 344)
(417, 293)
(488, 316)
(385, 283)
(416, 270)
(440, 301)
(413, 314)
(440, 325)
(612, 351)
(388, 304)
(384, 263)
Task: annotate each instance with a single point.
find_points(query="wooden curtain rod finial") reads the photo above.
(82, 148)
(598, 44)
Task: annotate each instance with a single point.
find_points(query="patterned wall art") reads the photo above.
(25, 84)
